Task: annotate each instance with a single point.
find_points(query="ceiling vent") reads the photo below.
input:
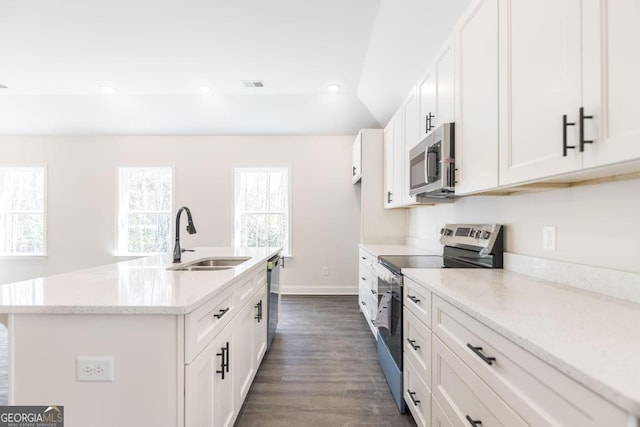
(253, 83)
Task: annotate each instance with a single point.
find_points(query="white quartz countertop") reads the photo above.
(593, 339)
(141, 286)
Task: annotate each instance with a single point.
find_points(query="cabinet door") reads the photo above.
(426, 104)
(209, 400)
(244, 352)
(392, 161)
(476, 120)
(445, 75)
(260, 305)
(611, 87)
(410, 133)
(540, 56)
(356, 159)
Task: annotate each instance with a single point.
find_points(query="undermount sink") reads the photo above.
(211, 264)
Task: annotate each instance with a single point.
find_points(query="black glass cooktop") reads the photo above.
(397, 262)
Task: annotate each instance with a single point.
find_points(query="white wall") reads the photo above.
(82, 198)
(596, 224)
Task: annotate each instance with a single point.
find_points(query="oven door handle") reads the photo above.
(387, 275)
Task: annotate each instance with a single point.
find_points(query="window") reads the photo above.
(22, 211)
(262, 208)
(144, 212)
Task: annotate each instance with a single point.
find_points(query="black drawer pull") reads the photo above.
(258, 316)
(363, 303)
(582, 140)
(373, 292)
(354, 171)
(478, 352)
(413, 399)
(221, 313)
(566, 147)
(473, 422)
(413, 344)
(413, 298)
(363, 278)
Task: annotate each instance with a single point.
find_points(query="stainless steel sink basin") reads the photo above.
(220, 262)
(200, 268)
(211, 264)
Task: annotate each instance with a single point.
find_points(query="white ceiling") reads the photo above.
(56, 54)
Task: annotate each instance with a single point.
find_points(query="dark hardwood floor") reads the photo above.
(321, 370)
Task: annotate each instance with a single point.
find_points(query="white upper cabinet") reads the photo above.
(393, 161)
(410, 139)
(540, 58)
(436, 93)
(476, 149)
(611, 81)
(356, 159)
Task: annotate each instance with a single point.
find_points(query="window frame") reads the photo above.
(286, 251)
(119, 198)
(44, 253)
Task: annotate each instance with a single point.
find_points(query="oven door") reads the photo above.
(389, 318)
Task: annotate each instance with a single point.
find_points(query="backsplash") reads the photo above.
(596, 224)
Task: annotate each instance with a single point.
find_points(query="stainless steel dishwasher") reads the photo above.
(273, 284)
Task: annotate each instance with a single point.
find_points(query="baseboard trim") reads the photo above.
(319, 290)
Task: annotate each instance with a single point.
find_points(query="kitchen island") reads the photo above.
(159, 347)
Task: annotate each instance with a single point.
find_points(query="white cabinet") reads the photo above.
(611, 36)
(368, 289)
(218, 379)
(409, 140)
(393, 161)
(209, 397)
(377, 224)
(477, 120)
(356, 159)
(569, 99)
(436, 93)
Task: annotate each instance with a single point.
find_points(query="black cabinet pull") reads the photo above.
(413, 399)
(473, 422)
(389, 198)
(221, 313)
(429, 125)
(363, 303)
(224, 360)
(373, 292)
(258, 316)
(413, 344)
(354, 171)
(363, 278)
(478, 352)
(363, 257)
(413, 298)
(566, 147)
(582, 119)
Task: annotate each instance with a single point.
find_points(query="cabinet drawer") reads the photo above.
(417, 346)
(367, 260)
(462, 394)
(368, 303)
(418, 300)
(203, 324)
(417, 396)
(369, 280)
(538, 392)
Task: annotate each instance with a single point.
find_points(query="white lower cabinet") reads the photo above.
(209, 397)
(417, 395)
(218, 379)
(438, 417)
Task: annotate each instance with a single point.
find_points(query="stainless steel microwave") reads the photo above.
(432, 169)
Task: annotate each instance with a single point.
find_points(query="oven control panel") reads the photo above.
(474, 236)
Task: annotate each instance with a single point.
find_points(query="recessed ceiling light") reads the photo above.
(334, 88)
(4, 87)
(107, 89)
(205, 88)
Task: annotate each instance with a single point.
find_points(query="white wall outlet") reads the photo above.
(94, 369)
(549, 238)
(325, 271)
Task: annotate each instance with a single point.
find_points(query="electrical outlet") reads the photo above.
(549, 238)
(325, 271)
(95, 369)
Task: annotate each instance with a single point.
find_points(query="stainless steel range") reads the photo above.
(465, 246)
